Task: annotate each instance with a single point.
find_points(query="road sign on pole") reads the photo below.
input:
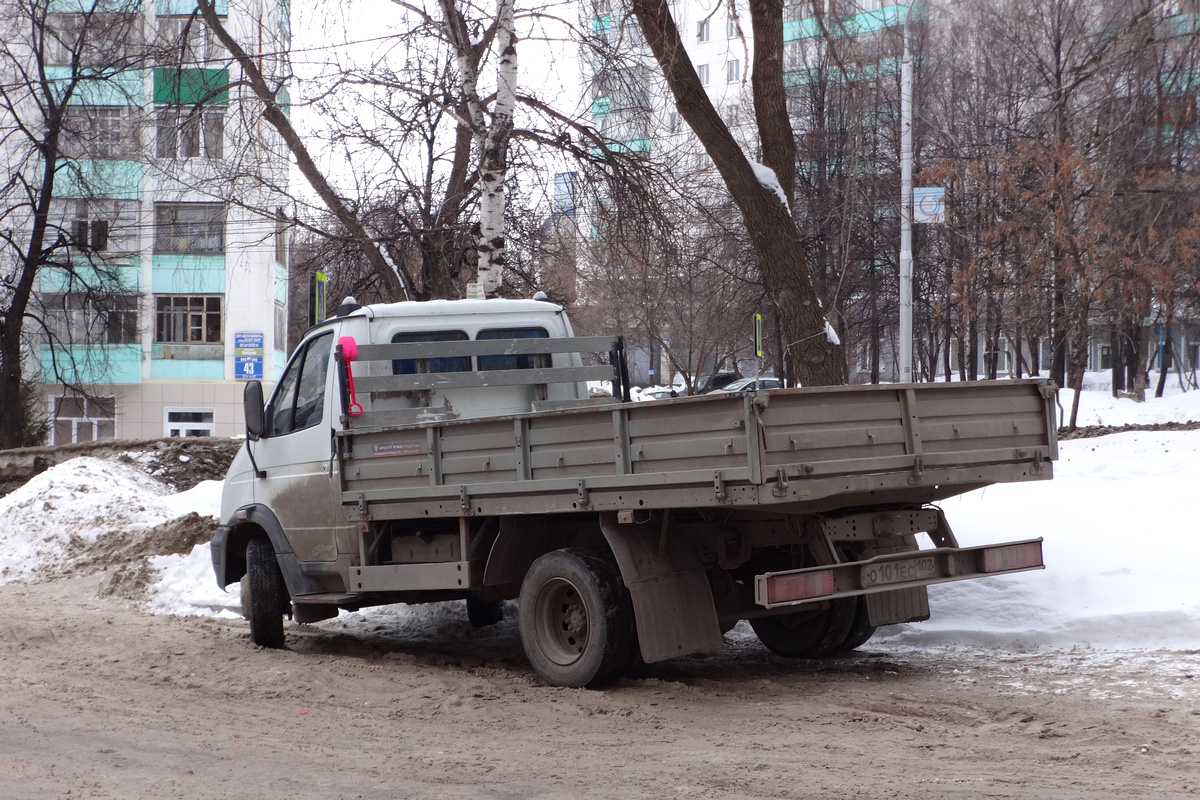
(929, 205)
(758, 336)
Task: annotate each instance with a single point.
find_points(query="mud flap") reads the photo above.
(672, 600)
(901, 605)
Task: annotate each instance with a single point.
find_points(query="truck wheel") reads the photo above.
(807, 634)
(481, 613)
(576, 618)
(267, 594)
(860, 631)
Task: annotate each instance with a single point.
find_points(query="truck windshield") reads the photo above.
(411, 366)
(518, 361)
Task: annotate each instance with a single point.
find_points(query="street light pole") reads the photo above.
(906, 209)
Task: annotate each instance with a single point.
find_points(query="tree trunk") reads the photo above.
(1117, 366)
(973, 350)
(1165, 366)
(14, 419)
(1058, 336)
(780, 249)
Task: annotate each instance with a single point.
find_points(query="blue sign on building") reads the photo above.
(249, 368)
(248, 341)
(248, 356)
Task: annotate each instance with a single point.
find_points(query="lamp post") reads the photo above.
(906, 209)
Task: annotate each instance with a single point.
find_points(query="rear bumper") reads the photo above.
(895, 571)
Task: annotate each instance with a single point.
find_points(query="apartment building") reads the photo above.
(169, 289)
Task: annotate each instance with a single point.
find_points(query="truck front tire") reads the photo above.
(267, 594)
(576, 618)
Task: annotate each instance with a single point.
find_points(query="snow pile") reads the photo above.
(1120, 551)
(1099, 407)
(70, 505)
(188, 587)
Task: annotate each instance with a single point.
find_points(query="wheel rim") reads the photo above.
(562, 627)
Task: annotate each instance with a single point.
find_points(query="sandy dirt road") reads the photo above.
(99, 699)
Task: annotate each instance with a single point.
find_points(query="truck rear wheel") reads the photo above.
(807, 634)
(267, 594)
(861, 630)
(576, 618)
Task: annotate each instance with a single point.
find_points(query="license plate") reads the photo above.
(910, 569)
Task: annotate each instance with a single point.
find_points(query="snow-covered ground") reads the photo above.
(1121, 541)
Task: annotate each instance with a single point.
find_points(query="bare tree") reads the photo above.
(763, 192)
(67, 108)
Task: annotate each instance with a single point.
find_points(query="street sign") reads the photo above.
(317, 286)
(248, 368)
(758, 337)
(929, 205)
(248, 356)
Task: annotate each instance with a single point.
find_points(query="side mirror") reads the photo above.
(252, 406)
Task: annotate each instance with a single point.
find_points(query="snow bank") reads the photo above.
(1120, 550)
(69, 505)
(1098, 407)
(187, 586)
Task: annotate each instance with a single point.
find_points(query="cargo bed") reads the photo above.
(788, 450)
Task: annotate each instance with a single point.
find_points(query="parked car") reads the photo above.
(663, 392)
(748, 385)
(719, 381)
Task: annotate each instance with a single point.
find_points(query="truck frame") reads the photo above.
(450, 450)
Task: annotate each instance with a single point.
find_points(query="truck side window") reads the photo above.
(300, 400)
(514, 362)
(410, 366)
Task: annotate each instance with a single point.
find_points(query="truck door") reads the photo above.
(295, 454)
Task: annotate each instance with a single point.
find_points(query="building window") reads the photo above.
(281, 248)
(97, 132)
(280, 327)
(731, 28)
(191, 134)
(633, 32)
(81, 318)
(188, 422)
(733, 71)
(702, 73)
(82, 419)
(182, 319)
(801, 9)
(188, 41)
(86, 233)
(702, 31)
(189, 228)
(100, 38)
